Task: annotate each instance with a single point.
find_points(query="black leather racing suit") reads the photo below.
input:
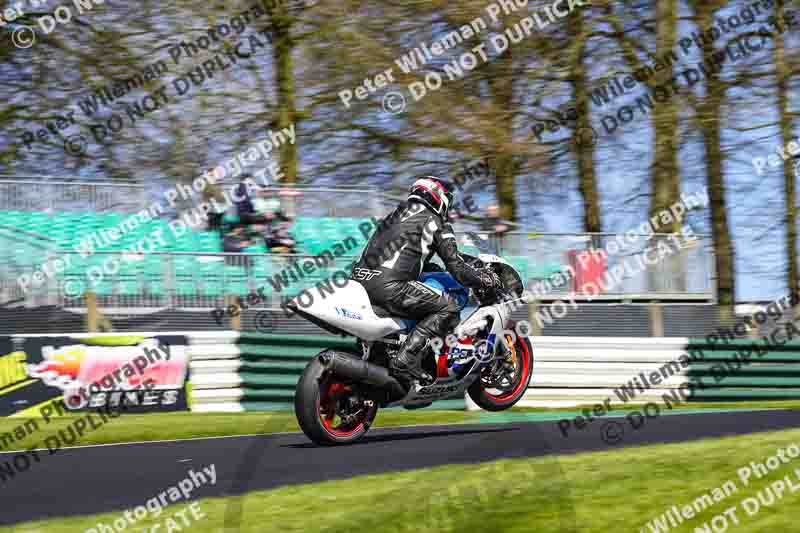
(397, 253)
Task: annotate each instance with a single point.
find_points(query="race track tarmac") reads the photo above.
(117, 477)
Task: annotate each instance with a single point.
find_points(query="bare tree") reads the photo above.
(584, 151)
(782, 75)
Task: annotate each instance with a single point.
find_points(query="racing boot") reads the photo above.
(407, 364)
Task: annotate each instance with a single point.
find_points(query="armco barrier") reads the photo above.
(256, 372)
(232, 372)
(578, 370)
(581, 370)
(252, 372)
(761, 372)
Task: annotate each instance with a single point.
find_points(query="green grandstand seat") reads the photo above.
(211, 268)
(193, 276)
(239, 287)
(103, 287)
(212, 287)
(154, 287)
(128, 287)
(545, 271)
(185, 287)
(184, 265)
(209, 241)
(521, 264)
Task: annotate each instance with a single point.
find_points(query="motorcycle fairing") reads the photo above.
(350, 310)
(460, 358)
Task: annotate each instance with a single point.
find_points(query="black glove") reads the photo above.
(432, 267)
(490, 285)
(494, 280)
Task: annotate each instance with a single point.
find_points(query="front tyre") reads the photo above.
(330, 410)
(504, 382)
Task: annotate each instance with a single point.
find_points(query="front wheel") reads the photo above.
(330, 410)
(504, 382)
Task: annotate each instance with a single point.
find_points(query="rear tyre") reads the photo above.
(331, 410)
(504, 383)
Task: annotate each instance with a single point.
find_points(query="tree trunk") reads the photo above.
(723, 247)
(665, 178)
(710, 111)
(501, 83)
(584, 148)
(284, 77)
(790, 191)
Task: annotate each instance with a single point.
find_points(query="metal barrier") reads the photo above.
(232, 372)
(542, 258)
(575, 370)
(334, 202)
(199, 279)
(251, 372)
(169, 280)
(202, 280)
(55, 195)
(685, 274)
(22, 250)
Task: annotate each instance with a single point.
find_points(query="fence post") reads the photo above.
(753, 331)
(92, 314)
(168, 275)
(51, 285)
(656, 320)
(96, 322)
(236, 319)
(533, 307)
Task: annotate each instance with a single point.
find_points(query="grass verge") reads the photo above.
(167, 426)
(185, 425)
(593, 492)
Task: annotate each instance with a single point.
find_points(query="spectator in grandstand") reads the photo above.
(235, 241)
(494, 225)
(243, 198)
(277, 236)
(215, 217)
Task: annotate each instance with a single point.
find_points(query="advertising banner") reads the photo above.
(143, 374)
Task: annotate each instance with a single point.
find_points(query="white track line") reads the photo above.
(225, 437)
(153, 441)
(391, 428)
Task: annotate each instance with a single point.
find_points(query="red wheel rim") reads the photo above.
(330, 390)
(525, 359)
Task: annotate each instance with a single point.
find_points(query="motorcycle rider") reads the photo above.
(399, 250)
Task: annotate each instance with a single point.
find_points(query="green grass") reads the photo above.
(164, 426)
(185, 425)
(618, 490)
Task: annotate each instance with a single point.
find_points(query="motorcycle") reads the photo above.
(339, 393)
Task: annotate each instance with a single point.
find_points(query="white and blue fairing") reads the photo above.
(349, 308)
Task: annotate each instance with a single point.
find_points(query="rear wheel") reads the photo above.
(331, 410)
(504, 382)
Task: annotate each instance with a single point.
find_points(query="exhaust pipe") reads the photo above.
(349, 367)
